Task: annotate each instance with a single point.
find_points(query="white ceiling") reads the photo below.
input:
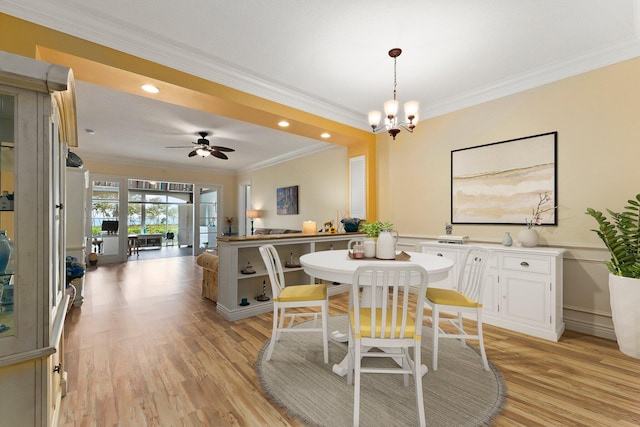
(328, 58)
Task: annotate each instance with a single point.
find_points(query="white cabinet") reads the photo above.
(32, 170)
(185, 225)
(76, 220)
(523, 287)
(236, 252)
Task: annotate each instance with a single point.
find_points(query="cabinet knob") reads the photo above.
(60, 206)
(439, 254)
(524, 264)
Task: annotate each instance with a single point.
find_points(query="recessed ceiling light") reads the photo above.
(90, 131)
(325, 135)
(283, 123)
(150, 88)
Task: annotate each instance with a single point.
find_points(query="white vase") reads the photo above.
(528, 237)
(386, 245)
(624, 293)
(369, 248)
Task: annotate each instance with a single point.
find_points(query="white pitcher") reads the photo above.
(386, 245)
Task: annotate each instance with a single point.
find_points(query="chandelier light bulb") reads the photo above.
(391, 108)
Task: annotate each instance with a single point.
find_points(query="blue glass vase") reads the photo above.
(5, 251)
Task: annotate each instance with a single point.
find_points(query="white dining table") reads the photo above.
(338, 266)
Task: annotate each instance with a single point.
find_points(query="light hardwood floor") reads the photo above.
(146, 349)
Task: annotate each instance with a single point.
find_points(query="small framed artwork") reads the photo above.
(506, 182)
(287, 200)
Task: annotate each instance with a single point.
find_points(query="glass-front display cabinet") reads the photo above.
(7, 230)
(32, 271)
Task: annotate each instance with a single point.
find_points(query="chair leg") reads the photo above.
(356, 385)
(325, 330)
(274, 332)
(481, 342)
(350, 357)
(461, 329)
(417, 379)
(435, 324)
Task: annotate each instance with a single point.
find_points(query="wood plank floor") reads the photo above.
(146, 349)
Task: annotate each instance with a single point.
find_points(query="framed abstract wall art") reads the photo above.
(287, 200)
(506, 182)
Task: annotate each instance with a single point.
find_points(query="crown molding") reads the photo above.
(544, 75)
(287, 157)
(116, 34)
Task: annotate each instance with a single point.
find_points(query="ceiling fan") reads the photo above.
(204, 149)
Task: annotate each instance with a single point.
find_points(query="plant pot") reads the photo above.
(625, 310)
(528, 237)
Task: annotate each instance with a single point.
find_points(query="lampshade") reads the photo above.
(253, 213)
(202, 152)
(374, 118)
(411, 109)
(309, 227)
(391, 108)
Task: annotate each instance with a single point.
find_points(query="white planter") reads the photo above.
(528, 237)
(625, 310)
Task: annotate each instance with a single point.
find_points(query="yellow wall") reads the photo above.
(596, 116)
(322, 192)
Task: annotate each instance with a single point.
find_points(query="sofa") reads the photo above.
(209, 264)
(263, 231)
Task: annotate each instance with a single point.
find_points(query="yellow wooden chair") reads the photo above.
(466, 298)
(294, 297)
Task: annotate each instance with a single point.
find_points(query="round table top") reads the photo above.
(337, 266)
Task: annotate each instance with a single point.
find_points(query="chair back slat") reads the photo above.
(274, 268)
(472, 274)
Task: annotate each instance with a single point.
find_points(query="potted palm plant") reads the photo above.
(621, 236)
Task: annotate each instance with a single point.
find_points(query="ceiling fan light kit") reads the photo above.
(205, 149)
(391, 123)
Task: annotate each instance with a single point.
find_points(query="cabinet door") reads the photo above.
(526, 298)
(491, 293)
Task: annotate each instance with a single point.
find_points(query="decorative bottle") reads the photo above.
(507, 240)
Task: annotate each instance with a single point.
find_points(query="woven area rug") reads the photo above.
(459, 393)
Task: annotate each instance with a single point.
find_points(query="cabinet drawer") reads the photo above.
(527, 263)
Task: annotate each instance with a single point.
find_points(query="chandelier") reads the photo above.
(391, 123)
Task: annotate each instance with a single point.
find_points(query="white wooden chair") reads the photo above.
(387, 314)
(466, 298)
(294, 297)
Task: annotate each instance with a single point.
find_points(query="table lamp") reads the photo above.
(252, 214)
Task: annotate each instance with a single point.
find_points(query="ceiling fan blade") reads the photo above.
(193, 153)
(225, 149)
(219, 155)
